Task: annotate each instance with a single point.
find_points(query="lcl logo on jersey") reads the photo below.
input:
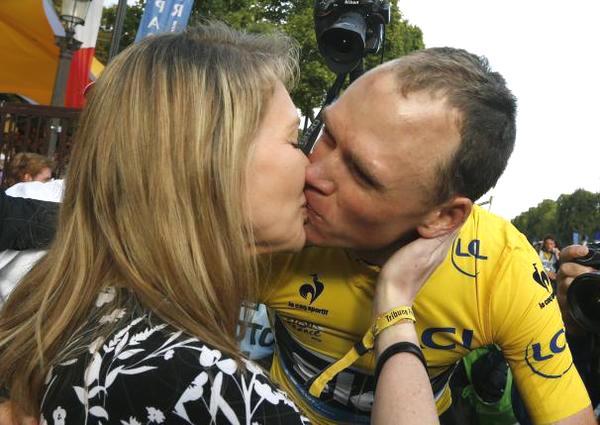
(537, 354)
(446, 338)
(311, 292)
(462, 260)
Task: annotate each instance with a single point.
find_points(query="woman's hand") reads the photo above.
(407, 270)
(404, 394)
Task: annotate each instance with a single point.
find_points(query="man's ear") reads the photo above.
(445, 218)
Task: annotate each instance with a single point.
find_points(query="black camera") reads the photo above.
(583, 295)
(347, 30)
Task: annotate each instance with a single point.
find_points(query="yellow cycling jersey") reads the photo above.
(491, 289)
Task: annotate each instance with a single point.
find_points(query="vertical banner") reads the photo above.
(79, 74)
(164, 16)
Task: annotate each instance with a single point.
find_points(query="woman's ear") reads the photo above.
(446, 217)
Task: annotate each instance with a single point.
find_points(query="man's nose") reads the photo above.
(320, 171)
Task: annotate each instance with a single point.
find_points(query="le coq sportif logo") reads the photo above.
(541, 278)
(311, 291)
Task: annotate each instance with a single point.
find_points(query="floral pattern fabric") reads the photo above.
(146, 372)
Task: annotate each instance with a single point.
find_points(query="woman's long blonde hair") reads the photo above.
(154, 199)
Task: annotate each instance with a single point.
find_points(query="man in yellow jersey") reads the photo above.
(405, 151)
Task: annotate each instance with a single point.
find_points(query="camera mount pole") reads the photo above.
(309, 138)
(358, 71)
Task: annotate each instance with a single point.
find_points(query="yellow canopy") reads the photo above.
(29, 56)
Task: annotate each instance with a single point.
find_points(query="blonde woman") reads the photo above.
(186, 167)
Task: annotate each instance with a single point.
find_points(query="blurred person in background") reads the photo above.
(27, 167)
(550, 256)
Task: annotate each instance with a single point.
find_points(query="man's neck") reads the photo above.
(378, 257)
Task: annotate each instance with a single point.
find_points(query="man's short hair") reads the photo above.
(487, 111)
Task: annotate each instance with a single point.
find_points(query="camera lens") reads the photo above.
(343, 43)
(345, 46)
(583, 297)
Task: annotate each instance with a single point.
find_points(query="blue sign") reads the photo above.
(164, 16)
(258, 341)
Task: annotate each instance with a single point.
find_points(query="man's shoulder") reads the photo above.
(490, 249)
(498, 233)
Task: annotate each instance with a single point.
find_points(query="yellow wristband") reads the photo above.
(392, 317)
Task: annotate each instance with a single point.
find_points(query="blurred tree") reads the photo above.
(295, 18)
(538, 221)
(130, 27)
(400, 38)
(578, 212)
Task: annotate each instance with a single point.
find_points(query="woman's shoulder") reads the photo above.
(146, 371)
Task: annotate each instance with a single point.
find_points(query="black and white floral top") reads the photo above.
(146, 372)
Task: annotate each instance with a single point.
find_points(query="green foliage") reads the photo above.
(130, 27)
(577, 212)
(293, 17)
(315, 77)
(538, 221)
(400, 38)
